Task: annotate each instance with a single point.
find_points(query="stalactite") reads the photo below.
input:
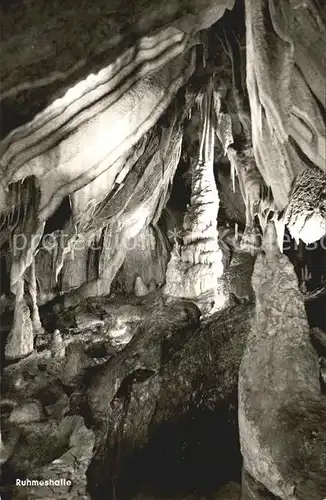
(199, 102)
(223, 124)
(224, 134)
(216, 102)
(31, 232)
(257, 196)
(24, 236)
(233, 159)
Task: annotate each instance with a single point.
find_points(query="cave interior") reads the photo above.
(162, 250)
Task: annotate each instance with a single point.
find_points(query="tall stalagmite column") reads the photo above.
(20, 341)
(196, 268)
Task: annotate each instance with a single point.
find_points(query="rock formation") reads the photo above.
(281, 408)
(145, 149)
(196, 268)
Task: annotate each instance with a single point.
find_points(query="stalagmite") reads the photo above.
(195, 269)
(286, 86)
(140, 289)
(20, 341)
(32, 288)
(58, 349)
(280, 400)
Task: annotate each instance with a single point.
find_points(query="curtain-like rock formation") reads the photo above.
(139, 201)
(89, 139)
(63, 45)
(148, 183)
(66, 156)
(284, 39)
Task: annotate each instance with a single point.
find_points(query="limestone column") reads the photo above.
(195, 268)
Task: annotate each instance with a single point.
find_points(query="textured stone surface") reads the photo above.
(71, 467)
(253, 490)
(173, 367)
(238, 276)
(198, 375)
(281, 409)
(305, 215)
(26, 413)
(282, 90)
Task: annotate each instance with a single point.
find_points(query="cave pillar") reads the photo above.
(195, 268)
(20, 341)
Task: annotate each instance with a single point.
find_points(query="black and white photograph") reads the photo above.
(163, 249)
